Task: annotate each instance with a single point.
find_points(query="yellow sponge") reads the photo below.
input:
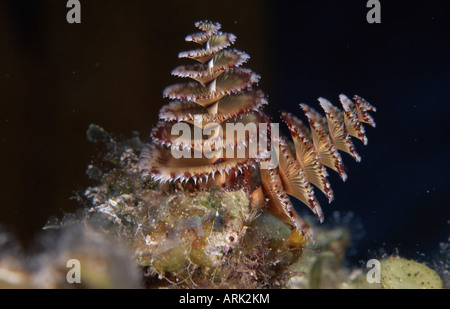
(400, 273)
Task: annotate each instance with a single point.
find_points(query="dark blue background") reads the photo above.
(402, 66)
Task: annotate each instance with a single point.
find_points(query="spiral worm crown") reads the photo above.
(221, 93)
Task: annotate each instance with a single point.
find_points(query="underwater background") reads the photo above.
(57, 78)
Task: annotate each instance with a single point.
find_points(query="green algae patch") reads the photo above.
(170, 261)
(400, 273)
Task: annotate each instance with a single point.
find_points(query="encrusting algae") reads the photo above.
(400, 273)
(191, 237)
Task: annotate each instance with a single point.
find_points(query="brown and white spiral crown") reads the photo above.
(221, 93)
